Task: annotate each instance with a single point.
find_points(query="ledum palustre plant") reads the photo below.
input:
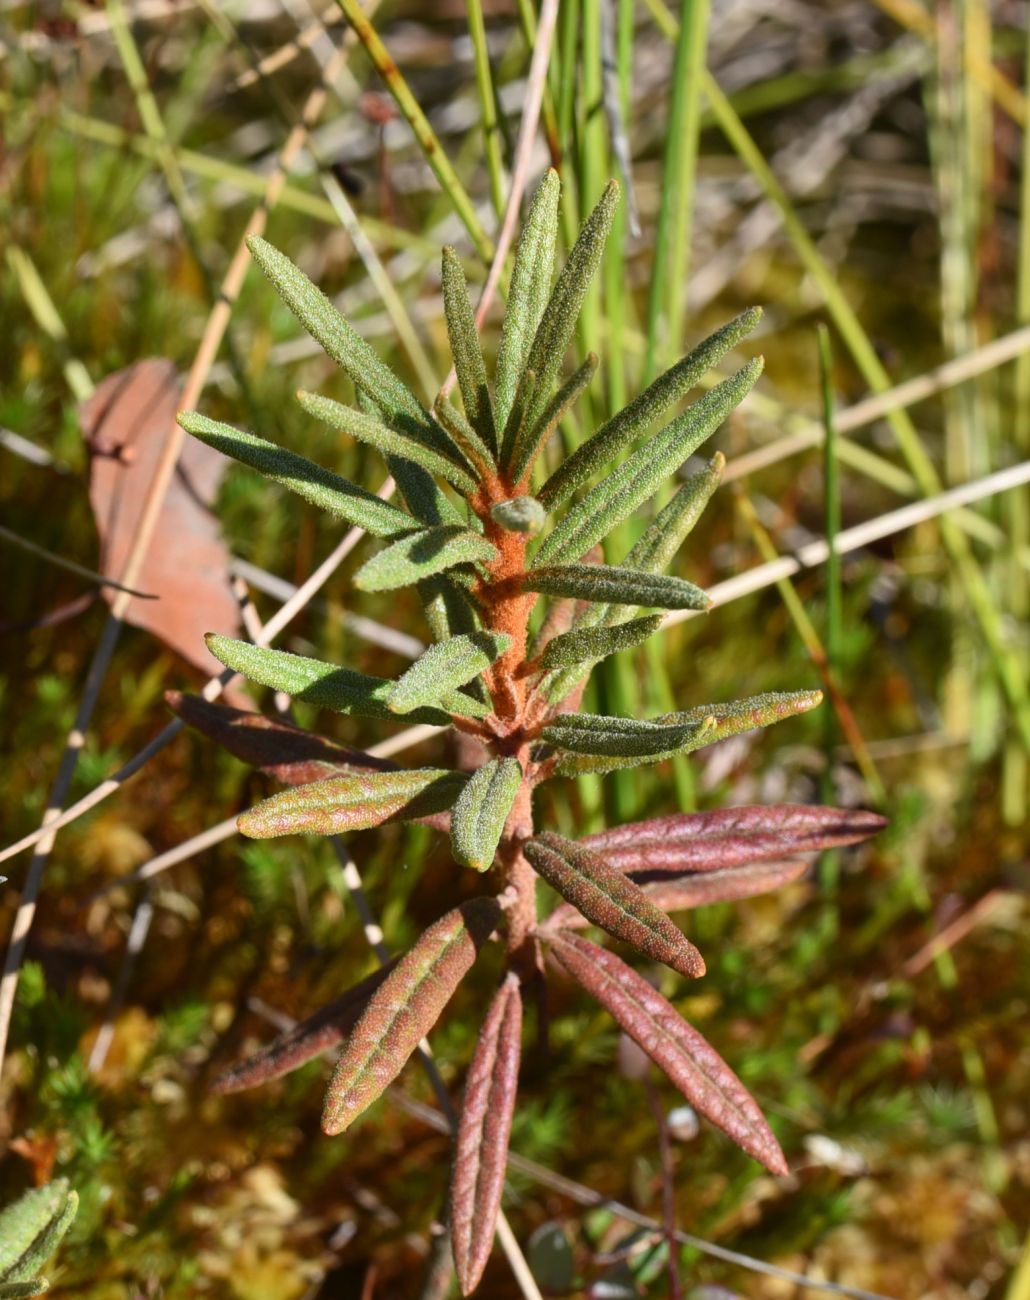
(484, 541)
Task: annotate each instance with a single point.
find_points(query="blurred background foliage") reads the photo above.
(857, 162)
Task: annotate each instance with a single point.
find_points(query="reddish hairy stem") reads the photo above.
(506, 608)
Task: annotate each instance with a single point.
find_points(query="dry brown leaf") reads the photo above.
(126, 423)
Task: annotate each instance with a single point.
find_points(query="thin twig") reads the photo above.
(954, 932)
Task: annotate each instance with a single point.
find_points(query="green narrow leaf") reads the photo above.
(405, 1008)
(527, 443)
(445, 666)
(32, 1228)
(615, 585)
(325, 685)
(588, 645)
(448, 606)
(465, 349)
(462, 434)
(320, 486)
(558, 322)
(353, 803)
(633, 420)
(530, 284)
(481, 810)
(711, 722)
(655, 549)
(621, 492)
(594, 733)
(662, 539)
(338, 337)
(423, 496)
(519, 416)
(20, 1290)
(365, 428)
(420, 555)
(611, 900)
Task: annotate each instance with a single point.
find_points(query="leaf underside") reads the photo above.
(611, 900)
(287, 753)
(677, 1048)
(404, 1009)
(484, 1130)
(729, 837)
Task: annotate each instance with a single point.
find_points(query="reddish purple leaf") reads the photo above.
(481, 1150)
(724, 885)
(608, 899)
(288, 753)
(729, 837)
(679, 1050)
(325, 1029)
(356, 801)
(404, 1009)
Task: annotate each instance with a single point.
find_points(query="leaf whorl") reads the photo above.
(484, 1130)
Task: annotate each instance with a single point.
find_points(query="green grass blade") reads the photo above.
(671, 265)
(427, 138)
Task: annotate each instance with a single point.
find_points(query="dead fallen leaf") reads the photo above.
(126, 423)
